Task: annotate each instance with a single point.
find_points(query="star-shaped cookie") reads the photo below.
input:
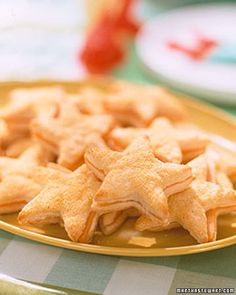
(203, 169)
(18, 146)
(161, 134)
(26, 104)
(225, 159)
(206, 168)
(138, 105)
(137, 179)
(197, 208)
(89, 101)
(8, 136)
(69, 134)
(169, 144)
(193, 141)
(67, 199)
(20, 180)
(33, 156)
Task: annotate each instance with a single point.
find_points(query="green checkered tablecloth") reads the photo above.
(98, 274)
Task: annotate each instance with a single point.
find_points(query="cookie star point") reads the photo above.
(19, 179)
(68, 199)
(197, 208)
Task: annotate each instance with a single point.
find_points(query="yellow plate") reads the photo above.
(167, 243)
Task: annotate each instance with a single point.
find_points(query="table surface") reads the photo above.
(100, 274)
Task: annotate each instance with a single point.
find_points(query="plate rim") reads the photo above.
(122, 251)
(118, 251)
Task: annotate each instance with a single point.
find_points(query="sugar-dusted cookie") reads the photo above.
(66, 199)
(170, 144)
(89, 101)
(20, 180)
(137, 105)
(193, 140)
(203, 169)
(25, 104)
(69, 133)
(8, 136)
(135, 178)
(197, 208)
(225, 159)
(18, 146)
(162, 137)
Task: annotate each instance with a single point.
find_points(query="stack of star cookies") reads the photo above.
(91, 159)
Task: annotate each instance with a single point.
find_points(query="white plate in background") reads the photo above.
(214, 81)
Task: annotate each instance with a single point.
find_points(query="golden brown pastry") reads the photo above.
(69, 134)
(193, 141)
(138, 105)
(20, 180)
(26, 104)
(137, 179)
(203, 169)
(18, 146)
(67, 198)
(145, 223)
(33, 156)
(197, 208)
(169, 144)
(161, 134)
(9, 136)
(89, 101)
(110, 222)
(46, 132)
(225, 159)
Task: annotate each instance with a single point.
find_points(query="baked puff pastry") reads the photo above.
(138, 105)
(162, 137)
(89, 101)
(20, 181)
(193, 141)
(70, 132)
(137, 179)
(108, 152)
(67, 199)
(111, 222)
(25, 104)
(9, 136)
(205, 167)
(204, 171)
(225, 159)
(18, 146)
(170, 144)
(197, 208)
